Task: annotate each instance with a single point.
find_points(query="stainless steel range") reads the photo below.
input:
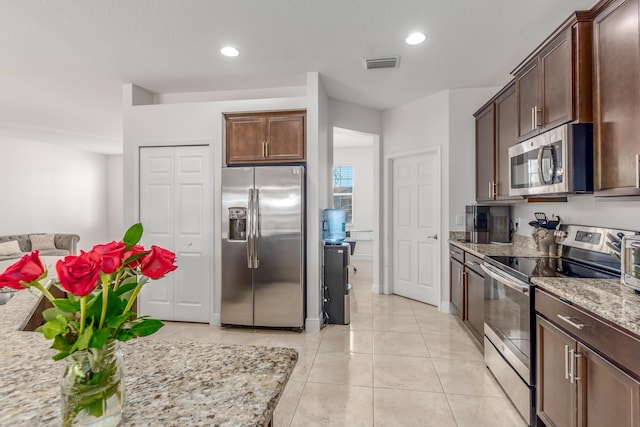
(509, 328)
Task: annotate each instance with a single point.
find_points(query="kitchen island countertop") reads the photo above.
(167, 383)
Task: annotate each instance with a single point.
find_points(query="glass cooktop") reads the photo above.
(525, 268)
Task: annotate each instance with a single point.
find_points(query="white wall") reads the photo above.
(319, 161)
(444, 119)
(147, 124)
(361, 158)
(115, 206)
(409, 128)
(52, 189)
(582, 210)
(355, 117)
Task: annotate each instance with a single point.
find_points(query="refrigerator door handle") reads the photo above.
(256, 230)
(250, 231)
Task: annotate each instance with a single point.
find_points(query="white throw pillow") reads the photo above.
(42, 241)
(9, 248)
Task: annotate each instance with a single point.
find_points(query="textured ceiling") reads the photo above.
(64, 61)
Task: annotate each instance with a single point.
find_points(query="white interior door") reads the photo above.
(174, 210)
(416, 224)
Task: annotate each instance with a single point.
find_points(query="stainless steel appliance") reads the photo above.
(555, 162)
(263, 246)
(476, 224)
(484, 224)
(509, 321)
(630, 253)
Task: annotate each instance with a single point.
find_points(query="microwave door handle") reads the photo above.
(504, 280)
(544, 181)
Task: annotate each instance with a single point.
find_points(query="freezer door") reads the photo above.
(237, 289)
(279, 278)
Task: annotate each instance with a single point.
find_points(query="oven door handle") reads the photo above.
(491, 271)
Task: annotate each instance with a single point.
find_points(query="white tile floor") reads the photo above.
(399, 363)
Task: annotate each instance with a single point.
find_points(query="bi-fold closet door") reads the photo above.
(175, 211)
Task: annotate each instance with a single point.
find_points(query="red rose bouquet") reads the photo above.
(101, 287)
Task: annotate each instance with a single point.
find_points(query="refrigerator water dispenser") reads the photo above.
(238, 224)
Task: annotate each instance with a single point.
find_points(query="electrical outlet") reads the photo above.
(459, 219)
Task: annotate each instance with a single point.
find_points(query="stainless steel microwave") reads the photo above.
(559, 161)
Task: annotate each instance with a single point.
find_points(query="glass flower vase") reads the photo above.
(92, 387)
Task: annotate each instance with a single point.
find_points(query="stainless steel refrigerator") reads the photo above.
(263, 246)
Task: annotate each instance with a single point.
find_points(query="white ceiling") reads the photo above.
(64, 62)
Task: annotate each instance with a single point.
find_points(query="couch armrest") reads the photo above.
(68, 242)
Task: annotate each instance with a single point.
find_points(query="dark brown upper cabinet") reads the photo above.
(617, 98)
(485, 153)
(553, 84)
(496, 131)
(263, 138)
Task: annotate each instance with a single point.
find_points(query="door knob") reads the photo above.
(435, 237)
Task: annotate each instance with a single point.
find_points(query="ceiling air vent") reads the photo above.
(379, 63)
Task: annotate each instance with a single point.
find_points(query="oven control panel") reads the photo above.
(598, 239)
(588, 237)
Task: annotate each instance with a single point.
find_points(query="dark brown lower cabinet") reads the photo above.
(577, 387)
(457, 287)
(475, 303)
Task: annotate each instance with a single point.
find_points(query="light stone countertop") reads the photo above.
(606, 298)
(167, 384)
(495, 249)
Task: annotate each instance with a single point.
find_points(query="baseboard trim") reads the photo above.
(445, 307)
(312, 324)
(215, 320)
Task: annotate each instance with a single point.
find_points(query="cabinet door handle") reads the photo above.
(567, 319)
(566, 362)
(472, 263)
(576, 356)
(460, 275)
(572, 365)
(266, 148)
(533, 118)
(490, 189)
(536, 110)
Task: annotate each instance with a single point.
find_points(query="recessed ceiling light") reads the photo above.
(229, 51)
(415, 38)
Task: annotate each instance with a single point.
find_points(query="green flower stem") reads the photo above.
(105, 289)
(135, 293)
(116, 283)
(42, 289)
(83, 312)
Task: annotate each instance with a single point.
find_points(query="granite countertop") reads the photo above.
(495, 249)
(606, 298)
(167, 384)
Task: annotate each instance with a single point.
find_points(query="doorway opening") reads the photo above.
(356, 189)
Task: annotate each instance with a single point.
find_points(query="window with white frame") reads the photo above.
(343, 190)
